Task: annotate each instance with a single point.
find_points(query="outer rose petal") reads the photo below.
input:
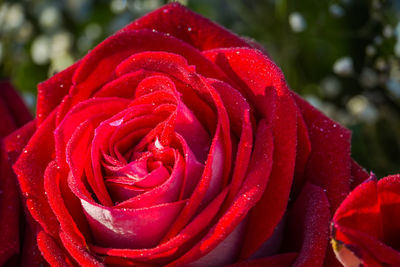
(324, 167)
(308, 226)
(53, 254)
(52, 91)
(14, 144)
(367, 222)
(9, 210)
(13, 114)
(188, 26)
(358, 174)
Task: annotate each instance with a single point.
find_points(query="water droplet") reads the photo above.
(189, 29)
(117, 122)
(157, 144)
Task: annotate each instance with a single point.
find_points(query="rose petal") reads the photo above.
(367, 220)
(9, 209)
(239, 115)
(303, 152)
(99, 65)
(52, 91)
(166, 251)
(14, 107)
(31, 255)
(130, 228)
(205, 190)
(105, 107)
(281, 260)
(324, 167)
(358, 174)
(65, 206)
(188, 26)
(81, 255)
(250, 193)
(193, 170)
(226, 251)
(14, 144)
(17, 140)
(308, 226)
(194, 91)
(73, 125)
(262, 83)
(165, 193)
(51, 251)
(30, 168)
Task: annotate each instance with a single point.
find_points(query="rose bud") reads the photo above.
(13, 114)
(175, 142)
(366, 228)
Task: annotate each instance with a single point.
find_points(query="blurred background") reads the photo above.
(342, 56)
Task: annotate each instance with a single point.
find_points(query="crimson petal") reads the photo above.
(178, 21)
(262, 83)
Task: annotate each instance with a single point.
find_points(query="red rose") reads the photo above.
(366, 226)
(13, 114)
(175, 141)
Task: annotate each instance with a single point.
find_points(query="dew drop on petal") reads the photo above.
(117, 122)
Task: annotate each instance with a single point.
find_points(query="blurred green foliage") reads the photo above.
(342, 56)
